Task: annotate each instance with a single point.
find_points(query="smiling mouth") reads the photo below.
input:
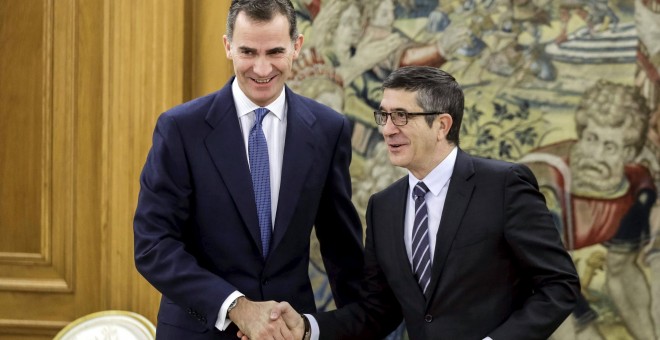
(263, 81)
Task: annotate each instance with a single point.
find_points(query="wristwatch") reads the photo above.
(232, 305)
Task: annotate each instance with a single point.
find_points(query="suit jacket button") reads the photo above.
(428, 318)
(265, 282)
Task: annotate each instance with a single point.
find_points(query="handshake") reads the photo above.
(268, 320)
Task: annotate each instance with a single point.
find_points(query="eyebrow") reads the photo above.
(270, 51)
(393, 110)
(247, 49)
(276, 50)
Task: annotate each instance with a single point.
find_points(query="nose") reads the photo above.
(262, 67)
(597, 150)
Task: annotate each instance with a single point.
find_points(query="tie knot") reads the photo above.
(420, 190)
(261, 113)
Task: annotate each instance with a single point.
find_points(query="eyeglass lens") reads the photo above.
(398, 117)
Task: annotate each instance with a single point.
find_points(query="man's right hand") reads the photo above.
(283, 312)
(254, 319)
(292, 318)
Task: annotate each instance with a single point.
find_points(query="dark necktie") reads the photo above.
(260, 171)
(421, 253)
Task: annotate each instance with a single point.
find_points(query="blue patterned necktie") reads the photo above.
(260, 171)
(421, 253)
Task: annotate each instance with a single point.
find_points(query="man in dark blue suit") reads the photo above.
(462, 247)
(233, 184)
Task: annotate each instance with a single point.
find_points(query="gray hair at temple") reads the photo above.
(262, 11)
(437, 91)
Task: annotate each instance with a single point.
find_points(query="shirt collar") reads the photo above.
(245, 106)
(439, 176)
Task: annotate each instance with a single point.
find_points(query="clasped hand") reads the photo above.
(267, 320)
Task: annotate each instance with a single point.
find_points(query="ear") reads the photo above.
(444, 122)
(297, 45)
(227, 44)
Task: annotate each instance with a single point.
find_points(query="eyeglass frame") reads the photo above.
(407, 114)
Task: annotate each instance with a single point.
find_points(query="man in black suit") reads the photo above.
(233, 184)
(462, 247)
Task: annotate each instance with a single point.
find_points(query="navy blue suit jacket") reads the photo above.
(499, 267)
(196, 229)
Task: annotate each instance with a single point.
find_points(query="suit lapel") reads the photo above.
(299, 154)
(227, 150)
(458, 197)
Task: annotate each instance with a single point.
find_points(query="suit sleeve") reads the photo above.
(338, 225)
(536, 244)
(162, 254)
(378, 312)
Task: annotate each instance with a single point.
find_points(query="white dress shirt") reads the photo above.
(274, 127)
(438, 182)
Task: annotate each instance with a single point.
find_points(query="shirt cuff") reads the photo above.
(487, 338)
(223, 321)
(314, 327)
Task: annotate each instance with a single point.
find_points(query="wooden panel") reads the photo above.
(210, 67)
(36, 254)
(21, 329)
(39, 290)
(146, 67)
(158, 55)
(88, 128)
(21, 140)
(82, 84)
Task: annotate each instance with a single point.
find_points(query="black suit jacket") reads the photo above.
(196, 226)
(499, 267)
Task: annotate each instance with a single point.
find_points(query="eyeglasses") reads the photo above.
(399, 118)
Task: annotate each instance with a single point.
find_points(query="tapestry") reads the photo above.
(570, 88)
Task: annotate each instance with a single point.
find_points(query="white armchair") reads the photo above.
(109, 325)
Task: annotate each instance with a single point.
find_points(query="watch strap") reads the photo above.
(308, 328)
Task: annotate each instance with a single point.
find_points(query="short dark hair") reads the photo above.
(437, 91)
(262, 10)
